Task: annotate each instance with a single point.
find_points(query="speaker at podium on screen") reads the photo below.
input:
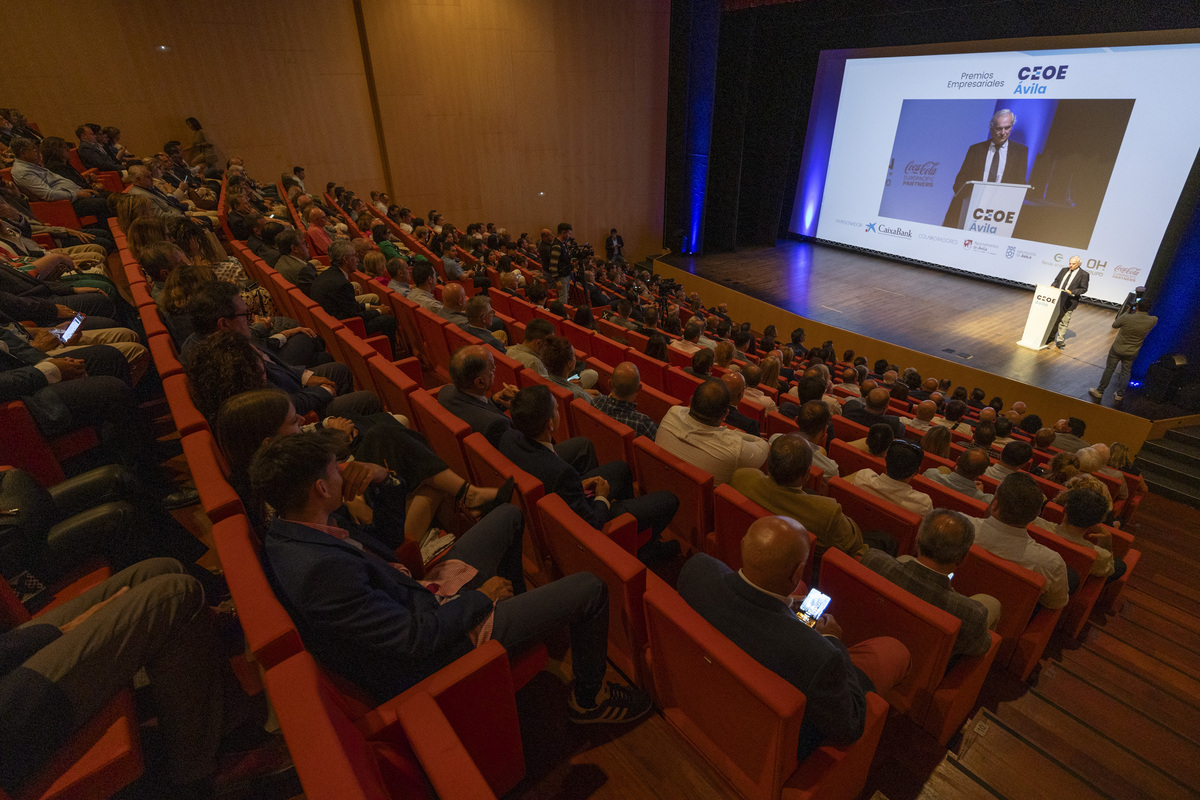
(991, 208)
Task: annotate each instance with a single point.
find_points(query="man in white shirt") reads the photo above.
(752, 372)
(690, 343)
(965, 478)
(926, 409)
(1013, 458)
(695, 434)
(1017, 503)
(423, 282)
(902, 462)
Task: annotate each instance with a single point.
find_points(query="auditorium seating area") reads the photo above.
(460, 733)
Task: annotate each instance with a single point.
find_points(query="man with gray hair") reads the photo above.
(997, 159)
(479, 317)
(143, 186)
(334, 292)
(943, 541)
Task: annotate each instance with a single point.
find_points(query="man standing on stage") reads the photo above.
(997, 160)
(1134, 325)
(1074, 281)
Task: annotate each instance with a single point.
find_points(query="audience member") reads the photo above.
(372, 623)
(753, 608)
(695, 434)
(1017, 503)
(621, 402)
(964, 479)
(781, 491)
(943, 541)
(530, 445)
(902, 461)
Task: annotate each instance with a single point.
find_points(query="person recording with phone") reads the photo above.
(754, 608)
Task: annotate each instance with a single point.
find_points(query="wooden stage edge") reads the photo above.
(1104, 424)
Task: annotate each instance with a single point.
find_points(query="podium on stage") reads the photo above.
(1044, 312)
(991, 208)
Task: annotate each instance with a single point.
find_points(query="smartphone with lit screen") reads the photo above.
(813, 607)
(64, 332)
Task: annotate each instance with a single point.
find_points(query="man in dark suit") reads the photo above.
(872, 410)
(479, 317)
(1074, 281)
(996, 160)
(1133, 327)
(753, 609)
(84, 299)
(327, 389)
(614, 247)
(371, 622)
(293, 262)
(332, 289)
(530, 445)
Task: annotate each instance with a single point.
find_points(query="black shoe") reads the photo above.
(180, 498)
(614, 705)
(657, 550)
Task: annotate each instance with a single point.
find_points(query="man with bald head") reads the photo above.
(753, 373)
(926, 409)
(873, 409)
(454, 298)
(753, 608)
(621, 402)
(927, 388)
(943, 541)
(695, 434)
(965, 478)
(781, 491)
(736, 384)
(850, 381)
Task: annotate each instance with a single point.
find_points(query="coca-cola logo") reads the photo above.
(928, 168)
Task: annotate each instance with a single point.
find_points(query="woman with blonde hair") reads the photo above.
(936, 441)
(145, 231)
(131, 207)
(770, 372)
(374, 263)
(1062, 468)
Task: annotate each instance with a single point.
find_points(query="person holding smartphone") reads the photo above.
(754, 607)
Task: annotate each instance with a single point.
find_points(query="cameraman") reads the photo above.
(560, 259)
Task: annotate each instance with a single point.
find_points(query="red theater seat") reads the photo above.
(742, 717)
(868, 605)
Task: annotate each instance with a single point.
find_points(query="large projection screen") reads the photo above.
(1104, 137)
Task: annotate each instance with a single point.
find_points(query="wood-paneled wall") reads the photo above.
(526, 112)
(278, 83)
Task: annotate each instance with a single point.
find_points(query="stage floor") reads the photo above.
(939, 313)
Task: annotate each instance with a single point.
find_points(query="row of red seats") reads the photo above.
(342, 745)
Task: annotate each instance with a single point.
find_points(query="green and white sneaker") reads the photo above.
(615, 704)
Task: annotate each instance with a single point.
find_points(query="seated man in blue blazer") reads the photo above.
(754, 609)
(530, 445)
(367, 619)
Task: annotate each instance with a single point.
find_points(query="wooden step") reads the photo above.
(1103, 765)
(1152, 644)
(952, 781)
(1134, 736)
(1134, 660)
(1162, 593)
(1014, 767)
(1162, 608)
(1151, 698)
(1184, 635)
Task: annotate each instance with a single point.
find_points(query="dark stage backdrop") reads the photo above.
(762, 86)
